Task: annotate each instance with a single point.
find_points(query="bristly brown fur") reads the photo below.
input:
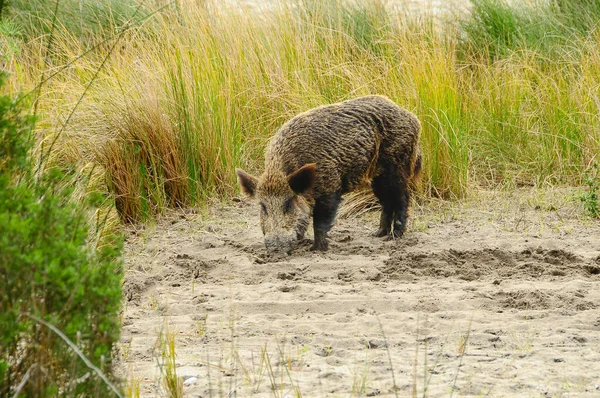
(344, 140)
(368, 138)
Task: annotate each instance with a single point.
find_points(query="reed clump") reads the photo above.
(194, 89)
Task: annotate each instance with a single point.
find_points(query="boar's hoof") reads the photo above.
(381, 232)
(398, 232)
(320, 245)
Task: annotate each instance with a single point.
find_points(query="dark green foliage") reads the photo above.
(15, 142)
(10, 39)
(48, 270)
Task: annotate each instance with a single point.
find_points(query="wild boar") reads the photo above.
(323, 153)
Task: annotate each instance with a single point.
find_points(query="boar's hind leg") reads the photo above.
(401, 208)
(383, 188)
(323, 215)
(393, 195)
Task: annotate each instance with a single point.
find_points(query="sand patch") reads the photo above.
(501, 301)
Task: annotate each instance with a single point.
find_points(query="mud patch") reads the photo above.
(496, 264)
(185, 265)
(545, 300)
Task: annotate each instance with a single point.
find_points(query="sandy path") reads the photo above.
(499, 295)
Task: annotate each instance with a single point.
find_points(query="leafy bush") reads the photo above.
(49, 275)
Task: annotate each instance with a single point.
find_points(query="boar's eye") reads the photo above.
(288, 206)
(263, 208)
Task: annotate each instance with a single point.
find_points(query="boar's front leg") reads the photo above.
(324, 214)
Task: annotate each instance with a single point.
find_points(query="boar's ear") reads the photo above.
(247, 182)
(303, 179)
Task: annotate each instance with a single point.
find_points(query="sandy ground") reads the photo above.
(498, 295)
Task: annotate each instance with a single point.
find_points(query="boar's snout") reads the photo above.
(277, 243)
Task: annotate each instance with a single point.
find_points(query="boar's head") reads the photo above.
(284, 210)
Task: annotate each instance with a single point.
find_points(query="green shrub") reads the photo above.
(48, 271)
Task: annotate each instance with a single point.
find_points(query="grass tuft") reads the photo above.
(171, 383)
(591, 198)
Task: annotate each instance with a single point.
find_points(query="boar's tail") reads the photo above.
(418, 166)
(415, 178)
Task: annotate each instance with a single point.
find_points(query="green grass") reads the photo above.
(507, 96)
(83, 19)
(497, 28)
(590, 198)
(171, 383)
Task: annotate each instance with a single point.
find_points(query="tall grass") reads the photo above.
(199, 89)
(499, 27)
(84, 19)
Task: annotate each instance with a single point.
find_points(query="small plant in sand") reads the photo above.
(201, 325)
(153, 304)
(361, 377)
(132, 390)
(285, 366)
(428, 369)
(522, 341)
(172, 384)
(591, 196)
(125, 349)
(253, 375)
(462, 350)
(462, 343)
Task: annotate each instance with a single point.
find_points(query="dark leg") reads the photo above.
(401, 208)
(324, 213)
(381, 189)
(393, 195)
